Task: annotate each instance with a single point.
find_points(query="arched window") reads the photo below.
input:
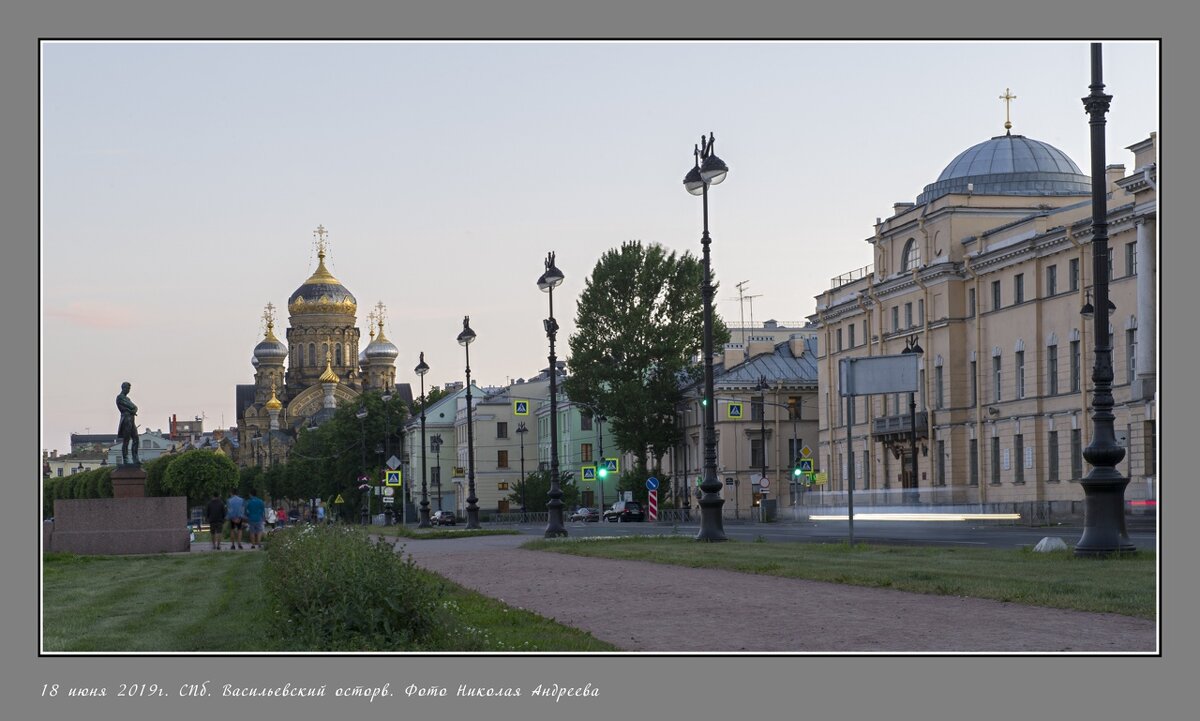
(911, 258)
(312, 354)
(324, 351)
(337, 354)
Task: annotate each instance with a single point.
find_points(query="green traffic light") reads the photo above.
(602, 472)
(797, 472)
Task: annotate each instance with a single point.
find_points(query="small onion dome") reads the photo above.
(322, 293)
(329, 376)
(270, 348)
(254, 361)
(382, 349)
(274, 404)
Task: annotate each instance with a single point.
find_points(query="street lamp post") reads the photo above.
(435, 442)
(547, 283)
(464, 339)
(708, 170)
(1104, 487)
(521, 431)
(362, 446)
(911, 346)
(421, 369)
(762, 433)
(601, 476)
(387, 454)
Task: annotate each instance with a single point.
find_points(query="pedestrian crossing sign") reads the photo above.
(806, 465)
(612, 465)
(734, 410)
(589, 473)
(520, 408)
(392, 478)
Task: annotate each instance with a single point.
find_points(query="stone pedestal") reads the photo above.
(119, 526)
(129, 481)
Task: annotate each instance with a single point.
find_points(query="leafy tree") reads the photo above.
(199, 474)
(536, 487)
(156, 470)
(640, 322)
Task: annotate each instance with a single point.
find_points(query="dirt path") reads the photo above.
(761, 613)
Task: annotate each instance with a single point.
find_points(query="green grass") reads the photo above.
(1124, 584)
(426, 534)
(216, 602)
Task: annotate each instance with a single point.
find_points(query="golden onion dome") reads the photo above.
(273, 404)
(329, 376)
(322, 293)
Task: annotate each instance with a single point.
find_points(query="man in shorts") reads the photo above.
(235, 509)
(255, 513)
(214, 513)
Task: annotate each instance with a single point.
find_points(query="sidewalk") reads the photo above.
(649, 607)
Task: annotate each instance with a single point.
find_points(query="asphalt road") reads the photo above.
(923, 533)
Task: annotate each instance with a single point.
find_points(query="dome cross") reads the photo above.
(1007, 97)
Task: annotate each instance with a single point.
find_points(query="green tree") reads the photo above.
(535, 486)
(199, 474)
(640, 324)
(156, 470)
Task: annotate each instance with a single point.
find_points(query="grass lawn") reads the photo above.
(438, 532)
(1124, 585)
(216, 602)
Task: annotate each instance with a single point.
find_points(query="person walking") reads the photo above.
(214, 513)
(320, 512)
(235, 509)
(255, 513)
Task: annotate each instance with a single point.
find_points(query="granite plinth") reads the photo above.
(120, 526)
(129, 481)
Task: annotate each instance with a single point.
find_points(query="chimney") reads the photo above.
(734, 353)
(1112, 174)
(761, 344)
(796, 345)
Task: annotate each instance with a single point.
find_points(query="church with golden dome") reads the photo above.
(300, 383)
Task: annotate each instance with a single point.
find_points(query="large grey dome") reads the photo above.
(1010, 165)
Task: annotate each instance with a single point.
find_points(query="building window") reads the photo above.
(911, 257)
(756, 409)
(921, 385)
(996, 295)
(895, 317)
(1130, 360)
(851, 335)
(1076, 364)
(502, 430)
(839, 339)
(908, 316)
(1076, 453)
(757, 459)
(974, 383)
(1020, 374)
(1052, 454)
(941, 463)
(970, 302)
(1019, 288)
(585, 420)
(312, 354)
(973, 458)
(995, 460)
(1051, 280)
(996, 378)
(1073, 274)
(337, 354)
(939, 390)
(1130, 258)
(501, 459)
(920, 311)
(1052, 369)
(585, 452)
(1019, 458)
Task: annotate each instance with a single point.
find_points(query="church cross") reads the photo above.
(1007, 97)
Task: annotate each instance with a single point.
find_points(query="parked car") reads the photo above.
(622, 511)
(586, 514)
(442, 518)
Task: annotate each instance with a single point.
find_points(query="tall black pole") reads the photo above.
(421, 369)
(711, 523)
(436, 442)
(554, 524)
(472, 508)
(522, 429)
(762, 432)
(1104, 488)
(599, 479)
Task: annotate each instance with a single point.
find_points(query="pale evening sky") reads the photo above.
(181, 184)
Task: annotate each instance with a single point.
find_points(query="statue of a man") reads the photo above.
(127, 429)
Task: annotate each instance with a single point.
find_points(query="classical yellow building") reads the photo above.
(321, 367)
(987, 272)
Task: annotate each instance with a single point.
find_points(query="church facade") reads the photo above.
(300, 383)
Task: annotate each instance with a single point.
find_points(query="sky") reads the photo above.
(182, 183)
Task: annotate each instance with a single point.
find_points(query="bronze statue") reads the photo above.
(127, 429)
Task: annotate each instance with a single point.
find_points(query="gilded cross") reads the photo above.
(380, 313)
(320, 234)
(1007, 97)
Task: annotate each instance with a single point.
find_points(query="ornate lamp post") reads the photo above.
(521, 431)
(547, 283)
(464, 339)
(911, 346)
(361, 415)
(708, 170)
(387, 454)
(435, 442)
(421, 369)
(762, 387)
(1104, 487)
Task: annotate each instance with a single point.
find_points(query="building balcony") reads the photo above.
(899, 427)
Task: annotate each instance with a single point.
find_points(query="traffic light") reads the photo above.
(797, 474)
(602, 471)
(704, 401)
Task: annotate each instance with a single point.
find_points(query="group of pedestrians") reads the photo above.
(244, 514)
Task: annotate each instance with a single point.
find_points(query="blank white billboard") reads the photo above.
(879, 374)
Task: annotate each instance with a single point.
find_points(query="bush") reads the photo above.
(155, 470)
(339, 591)
(198, 475)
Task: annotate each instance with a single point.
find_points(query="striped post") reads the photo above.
(653, 505)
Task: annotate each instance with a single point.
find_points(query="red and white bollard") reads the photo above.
(653, 505)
